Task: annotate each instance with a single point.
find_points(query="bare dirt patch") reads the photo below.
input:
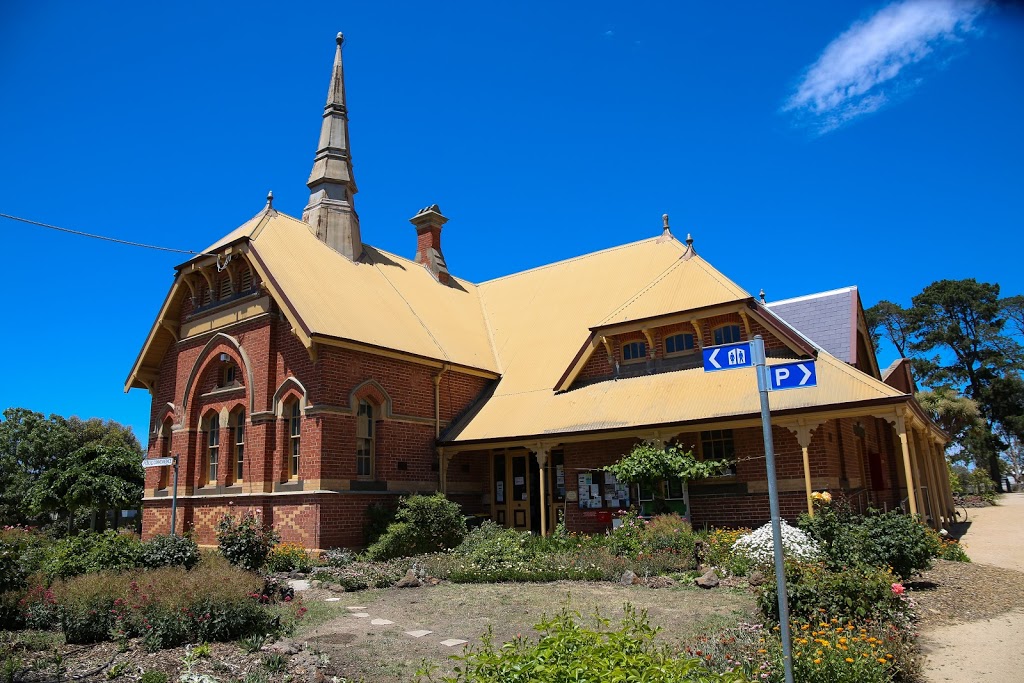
(384, 653)
(961, 592)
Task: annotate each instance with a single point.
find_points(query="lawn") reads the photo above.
(384, 653)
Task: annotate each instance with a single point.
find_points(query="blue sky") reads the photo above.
(806, 146)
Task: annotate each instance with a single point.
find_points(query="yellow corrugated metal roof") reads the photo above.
(660, 399)
(540, 318)
(387, 301)
(686, 285)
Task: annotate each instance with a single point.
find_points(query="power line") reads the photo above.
(96, 237)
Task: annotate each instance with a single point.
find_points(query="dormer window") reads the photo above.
(634, 351)
(727, 334)
(679, 343)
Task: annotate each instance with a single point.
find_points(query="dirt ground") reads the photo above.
(384, 653)
(975, 634)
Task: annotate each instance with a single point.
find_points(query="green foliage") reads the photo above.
(12, 574)
(890, 540)
(629, 538)
(891, 321)
(357, 576)
(153, 676)
(570, 651)
(288, 557)
(716, 549)
(423, 524)
(855, 593)
(378, 517)
(65, 467)
(91, 552)
(170, 551)
(337, 557)
(648, 464)
(166, 607)
(246, 541)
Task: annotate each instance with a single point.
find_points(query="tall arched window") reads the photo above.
(165, 452)
(238, 437)
(212, 448)
(364, 440)
(294, 438)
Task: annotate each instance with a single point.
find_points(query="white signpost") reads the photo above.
(168, 462)
(795, 375)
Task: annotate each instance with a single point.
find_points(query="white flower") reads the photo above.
(759, 547)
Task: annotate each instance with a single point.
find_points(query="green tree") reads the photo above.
(52, 469)
(1013, 311)
(959, 323)
(891, 321)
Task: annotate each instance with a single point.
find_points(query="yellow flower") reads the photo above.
(849, 660)
(881, 660)
(843, 641)
(762, 651)
(817, 661)
(888, 656)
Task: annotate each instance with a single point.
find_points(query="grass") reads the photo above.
(385, 654)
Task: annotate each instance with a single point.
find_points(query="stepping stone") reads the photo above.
(452, 642)
(353, 609)
(332, 599)
(361, 615)
(381, 622)
(418, 634)
(299, 584)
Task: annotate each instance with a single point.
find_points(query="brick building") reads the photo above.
(301, 372)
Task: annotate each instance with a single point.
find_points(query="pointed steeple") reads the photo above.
(330, 212)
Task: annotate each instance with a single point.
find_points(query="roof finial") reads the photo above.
(270, 199)
(666, 234)
(341, 38)
(762, 296)
(689, 240)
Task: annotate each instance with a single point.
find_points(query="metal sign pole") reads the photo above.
(174, 497)
(773, 502)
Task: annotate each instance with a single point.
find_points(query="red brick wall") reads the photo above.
(405, 438)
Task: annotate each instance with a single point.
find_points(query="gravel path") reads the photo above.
(973, 618)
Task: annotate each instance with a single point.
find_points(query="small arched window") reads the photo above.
(238, 438)
(294, 438)
(364, 440)
(212, 448)
(679, 343)
(727, 334)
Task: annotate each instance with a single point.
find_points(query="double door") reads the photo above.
(513, 492)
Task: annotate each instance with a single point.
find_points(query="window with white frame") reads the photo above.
(238, 432)
(212, 448)
(294, 439)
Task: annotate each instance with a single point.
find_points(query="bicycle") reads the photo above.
(960, 514)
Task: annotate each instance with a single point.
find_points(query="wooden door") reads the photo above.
(519, 489)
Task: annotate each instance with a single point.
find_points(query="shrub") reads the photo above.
(166, 607)
(716, 550)
(378, 517)
(12, 574)
(950, 549)
(839, 532)
(854, 593)
(170, 551)
(898, 541)
(337, 557)
(568, 649)
(827, 650)
(92, 552)
(153, 676)
(759, 545)
(246, 541)
(628, 538)
(358, 576)
(289, 557)
(423, 524)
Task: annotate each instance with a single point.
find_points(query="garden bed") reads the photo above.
(956, 592)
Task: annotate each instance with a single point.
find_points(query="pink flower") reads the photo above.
(897, 589)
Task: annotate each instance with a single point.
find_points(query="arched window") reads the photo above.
(212, 448)
(727, 334)
(294, 438)
(364, 440)
(679, 343)
(165, 452)
(238, 437)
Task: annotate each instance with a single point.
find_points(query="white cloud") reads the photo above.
(862, 69)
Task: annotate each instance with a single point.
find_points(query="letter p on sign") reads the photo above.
(781, 375)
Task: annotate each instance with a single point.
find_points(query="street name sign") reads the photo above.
(798, 375)
(157, 462)
(728, 357)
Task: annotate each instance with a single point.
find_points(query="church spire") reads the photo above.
(330, 212)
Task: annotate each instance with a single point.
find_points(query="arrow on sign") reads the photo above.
(712, 357)
(786, 376)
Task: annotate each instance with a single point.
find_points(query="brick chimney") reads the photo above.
(428, 224)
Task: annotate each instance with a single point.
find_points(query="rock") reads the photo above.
(629, 578)
(284, 647)
(709, 580)
(410, 580)
(660, 582)
(756, 578)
